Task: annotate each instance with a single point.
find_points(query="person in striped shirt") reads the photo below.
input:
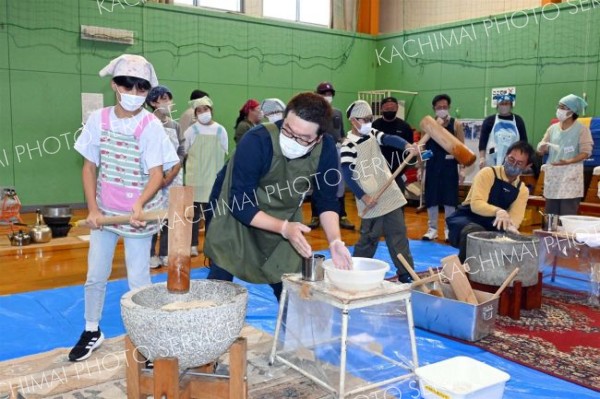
(365, 172)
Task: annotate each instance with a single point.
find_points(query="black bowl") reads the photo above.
(57, 220)
(60, 230)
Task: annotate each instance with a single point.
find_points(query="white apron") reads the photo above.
(372, 173)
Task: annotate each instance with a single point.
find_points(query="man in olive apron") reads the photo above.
(256, 231)
(496, 201)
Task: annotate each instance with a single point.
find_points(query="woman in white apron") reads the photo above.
(568, 143)
(500, 131)
(206, 146)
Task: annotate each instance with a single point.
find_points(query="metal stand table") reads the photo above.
(371, 317)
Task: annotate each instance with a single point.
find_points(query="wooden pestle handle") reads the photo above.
(411, 271)
(506, 282)
(392, 179)
(150, 216)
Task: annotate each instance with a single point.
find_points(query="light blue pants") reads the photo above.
(433, 212)
(100, 260)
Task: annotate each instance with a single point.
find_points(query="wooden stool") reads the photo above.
(515, 298)
(197, 383)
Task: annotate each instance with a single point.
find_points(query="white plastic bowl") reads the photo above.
(580, 224)
(461, 377)
(367, 274)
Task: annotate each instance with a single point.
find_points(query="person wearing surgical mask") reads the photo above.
(496, 201)
(272, 109)
(390, 123)
(442, 172)
(499, 131)
(568, 143)
(365, 173)
(335, 128)
(256, 231)
(206, 147)
(125, 155)
(160, 101)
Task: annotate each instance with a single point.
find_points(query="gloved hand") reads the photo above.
(542, 147)
(293, 232)
(340, 255)
(502, 221)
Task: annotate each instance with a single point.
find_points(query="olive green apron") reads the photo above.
(252, 254)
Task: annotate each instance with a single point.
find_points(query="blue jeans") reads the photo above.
(218, 273)
(100, 260)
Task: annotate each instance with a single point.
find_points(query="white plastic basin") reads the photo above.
(461, 377)
(580, 224)
(367, 274)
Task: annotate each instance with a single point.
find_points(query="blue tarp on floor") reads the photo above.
(44, 320)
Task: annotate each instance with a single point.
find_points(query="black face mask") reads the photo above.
(389, 115)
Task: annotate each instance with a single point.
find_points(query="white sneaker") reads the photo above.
(194, 251)
(431, 235)
(155, 262)
(447, 235)
(164, 260)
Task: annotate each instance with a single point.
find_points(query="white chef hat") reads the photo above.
(131, 65)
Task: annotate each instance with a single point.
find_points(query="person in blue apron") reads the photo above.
(499, 131)
(568, 143)
(442, 175)
(255, 232)
(496, 201)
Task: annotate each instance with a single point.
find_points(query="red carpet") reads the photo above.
(562, 338)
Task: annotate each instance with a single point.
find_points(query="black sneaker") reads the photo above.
(88, 341)
(405, 278)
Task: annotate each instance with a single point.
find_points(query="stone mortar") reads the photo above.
(195, 336)
(491, 257)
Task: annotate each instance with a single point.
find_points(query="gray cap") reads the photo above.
(271, 106)
(359, 109)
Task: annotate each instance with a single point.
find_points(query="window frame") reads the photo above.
(196, 3)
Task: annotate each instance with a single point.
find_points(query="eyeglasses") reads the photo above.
(562, 106)
(366, 119)
(298, 139)
(514, 162)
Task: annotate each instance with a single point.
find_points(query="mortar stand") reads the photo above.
(164, 380)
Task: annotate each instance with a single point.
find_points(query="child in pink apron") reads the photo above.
(125, 152)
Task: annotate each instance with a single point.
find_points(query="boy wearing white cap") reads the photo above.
(568, 143)
(365, 171)
(126, 152)
(206, 145)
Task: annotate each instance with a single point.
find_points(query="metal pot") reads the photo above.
(19, 239)
(61, 211)
(40, 233)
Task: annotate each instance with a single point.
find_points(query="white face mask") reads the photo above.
(329, 99)
(561, 114)
(441, 113)
(290, 148)
(365, 128)
(204, 118)
(130, 102)
(275, 117)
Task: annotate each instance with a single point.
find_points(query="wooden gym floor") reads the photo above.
(63, 261)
